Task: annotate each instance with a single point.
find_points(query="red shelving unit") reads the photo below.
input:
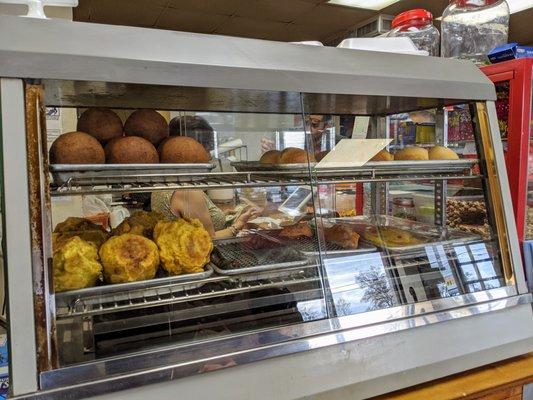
(514, 106)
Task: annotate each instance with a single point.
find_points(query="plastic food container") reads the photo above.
(472, 28)
(418, 26)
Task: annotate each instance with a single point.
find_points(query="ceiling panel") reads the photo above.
(108, 12)
(223, 7)
(181, 20)
(254, 28)
(286, 20)
(270, 10)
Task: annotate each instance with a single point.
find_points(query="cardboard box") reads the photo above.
(508, 52)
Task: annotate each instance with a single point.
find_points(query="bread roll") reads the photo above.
(383, 155)
(411, 153)
(148, 124)
(442, 153)
(293, 155)
(76, 148)
(182, 150)
(270, 157)
(101, 123)
(131, 150)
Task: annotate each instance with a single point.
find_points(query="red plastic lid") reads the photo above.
(417, 15)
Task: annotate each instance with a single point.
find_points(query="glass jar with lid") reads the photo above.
(418, 26)
(472, 28)
(404, 207)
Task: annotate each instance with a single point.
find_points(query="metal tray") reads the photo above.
(309, 246)
(408, 167)
(256, 166)
(436, 236)
(141, 286)
(106, 174)
(253, 260)
(298, 272)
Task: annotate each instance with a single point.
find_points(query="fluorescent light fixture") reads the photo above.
(368, 4)
(519, 5)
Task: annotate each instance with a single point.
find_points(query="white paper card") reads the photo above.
(352, 153)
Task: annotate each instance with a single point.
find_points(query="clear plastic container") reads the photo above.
(418, 26)
(404, 207)
(472, 28)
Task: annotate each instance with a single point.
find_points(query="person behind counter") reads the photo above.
(317, 127)
(196, 203)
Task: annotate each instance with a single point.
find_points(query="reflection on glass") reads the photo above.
(358, 283)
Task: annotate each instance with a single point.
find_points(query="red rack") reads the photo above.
(513, 85)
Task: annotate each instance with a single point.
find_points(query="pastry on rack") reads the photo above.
(139, 223)
(182, 150)
(411, 153)
(270, 157)
(81, 227)
(294, 155)
(382, 155)
(442, 153)
(148, 124)
(101, 123)
(342, 235)
(184, 246)
(299, 230)
(76, 148)
(391, 237)
(75, 265)
(129, 258)
(131, 150)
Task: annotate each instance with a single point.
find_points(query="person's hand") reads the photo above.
(248, 214)
(267, 145)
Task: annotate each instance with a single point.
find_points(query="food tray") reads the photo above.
(408, 167)
(435, 235)
(106, 174)
(237, 251)
(309, 246)
(298, 272)
(256, 166)
(140, 286)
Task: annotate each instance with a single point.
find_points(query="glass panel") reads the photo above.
(256, 276)
(394, 245)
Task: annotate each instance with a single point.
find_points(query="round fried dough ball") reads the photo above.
(101, 123)
(411, 153)
(75, 264)
(182, 150)
(129, 258)
(131, 150)
(76, 148)
(184, 247)
(293, 155)
(382, 155)
(270, 157)
(442, 153)
(148, 124)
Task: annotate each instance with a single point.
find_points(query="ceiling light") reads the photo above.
(519, 5)
(368, 4)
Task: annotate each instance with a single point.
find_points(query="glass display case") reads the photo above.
(223, 221)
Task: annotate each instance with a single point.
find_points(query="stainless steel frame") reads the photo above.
(17, 240)
(177, 361)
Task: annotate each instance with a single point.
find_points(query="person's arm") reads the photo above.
(191, 204)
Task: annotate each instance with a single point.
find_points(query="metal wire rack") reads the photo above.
(174, 294)
(138, 181)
